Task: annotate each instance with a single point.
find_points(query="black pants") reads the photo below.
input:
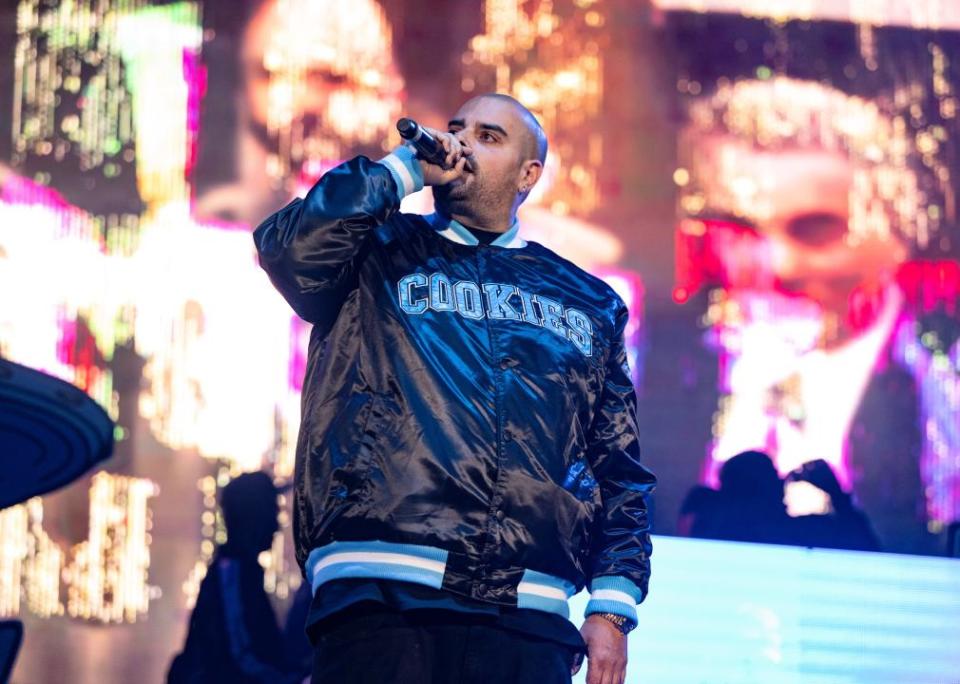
(427, 647)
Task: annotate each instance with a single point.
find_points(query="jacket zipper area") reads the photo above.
(494, 512)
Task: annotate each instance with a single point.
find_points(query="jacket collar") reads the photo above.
(456, 232)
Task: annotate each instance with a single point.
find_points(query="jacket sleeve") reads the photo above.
(620, 552)
(311, 249)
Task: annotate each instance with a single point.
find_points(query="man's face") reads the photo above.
(496, 132)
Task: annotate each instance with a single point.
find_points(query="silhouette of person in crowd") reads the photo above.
(234, 636)
(749, 507)
(845, 526)
(697, 510)
(953, 540)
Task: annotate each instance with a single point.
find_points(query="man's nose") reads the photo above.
(465, 141)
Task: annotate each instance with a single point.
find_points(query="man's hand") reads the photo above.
(454, 164)
(606, 651)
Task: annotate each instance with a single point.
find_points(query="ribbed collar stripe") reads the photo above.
(455, 231)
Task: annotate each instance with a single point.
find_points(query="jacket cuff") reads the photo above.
(612, 594)
(405, 169)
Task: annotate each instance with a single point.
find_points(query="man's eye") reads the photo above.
(489, 137)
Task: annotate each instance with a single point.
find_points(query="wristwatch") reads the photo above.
(624, 624)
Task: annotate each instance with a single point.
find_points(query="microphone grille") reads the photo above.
(407, 128)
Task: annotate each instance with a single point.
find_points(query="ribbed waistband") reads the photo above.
(424, 565)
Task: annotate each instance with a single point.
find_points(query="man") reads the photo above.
(468, 457)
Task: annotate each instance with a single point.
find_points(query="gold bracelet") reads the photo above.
(622, 623)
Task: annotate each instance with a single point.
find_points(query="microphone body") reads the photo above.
(428, 148)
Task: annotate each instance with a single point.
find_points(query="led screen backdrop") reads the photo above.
(815, 258)
(770, 186)
(746, 613)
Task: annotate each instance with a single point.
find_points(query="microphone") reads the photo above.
(428, 148)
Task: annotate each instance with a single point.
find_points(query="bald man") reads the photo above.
(468, 456)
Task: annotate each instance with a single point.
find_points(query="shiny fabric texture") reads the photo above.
(501, 428)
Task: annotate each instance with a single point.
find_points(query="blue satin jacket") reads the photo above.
(469, 422)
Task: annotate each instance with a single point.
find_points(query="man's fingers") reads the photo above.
(449, 144)
(467, 153)
(455, 153)
(603, 672)
(453, 148)
(448, 175)
(594, 672)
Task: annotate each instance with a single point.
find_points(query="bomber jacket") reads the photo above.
(468, 418)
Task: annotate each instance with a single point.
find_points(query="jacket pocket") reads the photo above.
(580, 482)
(368, 438)
(584, 487)
(350, 444)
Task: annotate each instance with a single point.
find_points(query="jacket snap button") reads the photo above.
(500, 515)
(507, 435)
(481, 588)
(506, 362)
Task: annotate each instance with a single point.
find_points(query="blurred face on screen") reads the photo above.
(799, 200)
(320, 68)
(824, 178)
(318, 84)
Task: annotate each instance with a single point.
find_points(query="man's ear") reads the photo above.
(530, 172)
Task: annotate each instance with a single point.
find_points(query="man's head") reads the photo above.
(509, 150)
(250, 508)
(751, 478)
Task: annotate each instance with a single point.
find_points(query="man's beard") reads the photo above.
(473, 196)
(456, 197)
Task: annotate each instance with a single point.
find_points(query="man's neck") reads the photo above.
(494, 225)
